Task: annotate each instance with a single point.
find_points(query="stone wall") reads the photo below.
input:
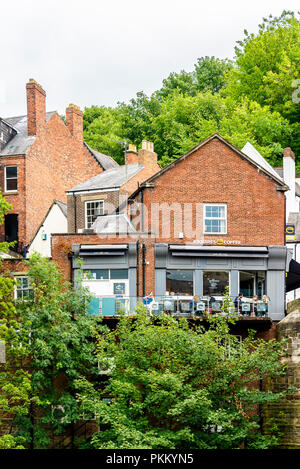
(289, 407)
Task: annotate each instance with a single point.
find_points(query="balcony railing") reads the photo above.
(113, 305)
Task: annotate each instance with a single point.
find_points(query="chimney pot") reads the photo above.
(131, 155)
(288, 153)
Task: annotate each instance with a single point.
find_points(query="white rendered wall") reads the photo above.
(289, 178)
(56, 222)
(293, 295)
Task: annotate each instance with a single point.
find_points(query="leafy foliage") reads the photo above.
(249, 99)
(173, 385)
(57, 349)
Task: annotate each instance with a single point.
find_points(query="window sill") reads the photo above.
(10, 193)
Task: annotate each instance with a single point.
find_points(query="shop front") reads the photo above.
(198, 276)
(109, 272)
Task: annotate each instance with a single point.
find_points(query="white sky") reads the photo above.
(101, 52)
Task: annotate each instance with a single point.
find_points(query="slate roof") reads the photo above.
(119, 223)
(21, 142)
(110, 179)
(107, 162)
(62, 206)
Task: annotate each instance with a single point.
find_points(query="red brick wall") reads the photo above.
(216, 174)
(16, 199)
(62, 246)
(55, 162)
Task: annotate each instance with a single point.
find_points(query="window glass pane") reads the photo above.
(215, 219)
(119, 274)
(11, 172)
(180, 282)
(93, 210)
(11, 184)
(214, 283)
(96, 274)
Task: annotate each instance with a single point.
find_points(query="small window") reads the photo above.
(23, 289)
(215, 218)
(96, 274)
(116, 274)
(92, 211)
(11, 178)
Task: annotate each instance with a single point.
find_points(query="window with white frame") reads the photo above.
(23, 288)
(215, 218)
(11, 178)
(93, 209)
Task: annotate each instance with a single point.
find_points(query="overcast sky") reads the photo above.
(100, 52)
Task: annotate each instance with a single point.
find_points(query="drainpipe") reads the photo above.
(137, 267)
(70, 257)
(75, 217)
(142, 214)
(144, 263)
(296, 261)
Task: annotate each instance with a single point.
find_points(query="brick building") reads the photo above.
(40, 158)
(104, 193)
(215, 217)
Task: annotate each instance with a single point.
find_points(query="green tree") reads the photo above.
(210, 73)
(175, 385)
(60, 351)
(267, 68)
(14, 377)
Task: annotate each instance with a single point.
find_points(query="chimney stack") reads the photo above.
(147, 156)
(36, 107)
(289, 177)
(131, 155)
(74, 120)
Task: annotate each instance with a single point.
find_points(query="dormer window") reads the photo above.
(11, 178)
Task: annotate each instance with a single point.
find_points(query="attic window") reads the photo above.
(11, 178)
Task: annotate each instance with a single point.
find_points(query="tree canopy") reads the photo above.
(251, 98)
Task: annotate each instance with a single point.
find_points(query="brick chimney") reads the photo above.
(36, 107)
(131, 155)
(74, 120)
(146, 155)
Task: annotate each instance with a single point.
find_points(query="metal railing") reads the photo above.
(114, 305)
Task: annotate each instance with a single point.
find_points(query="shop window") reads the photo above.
(214, 283)
(252, 283)
(180, 282)
(215, 218)
(11, 178)
(93, 210)
(23, 289)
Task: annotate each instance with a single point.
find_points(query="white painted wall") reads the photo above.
(55, 222)
(295, 248)
(289, 178)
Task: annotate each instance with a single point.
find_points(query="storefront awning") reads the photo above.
(84, 250)
(222, 251)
